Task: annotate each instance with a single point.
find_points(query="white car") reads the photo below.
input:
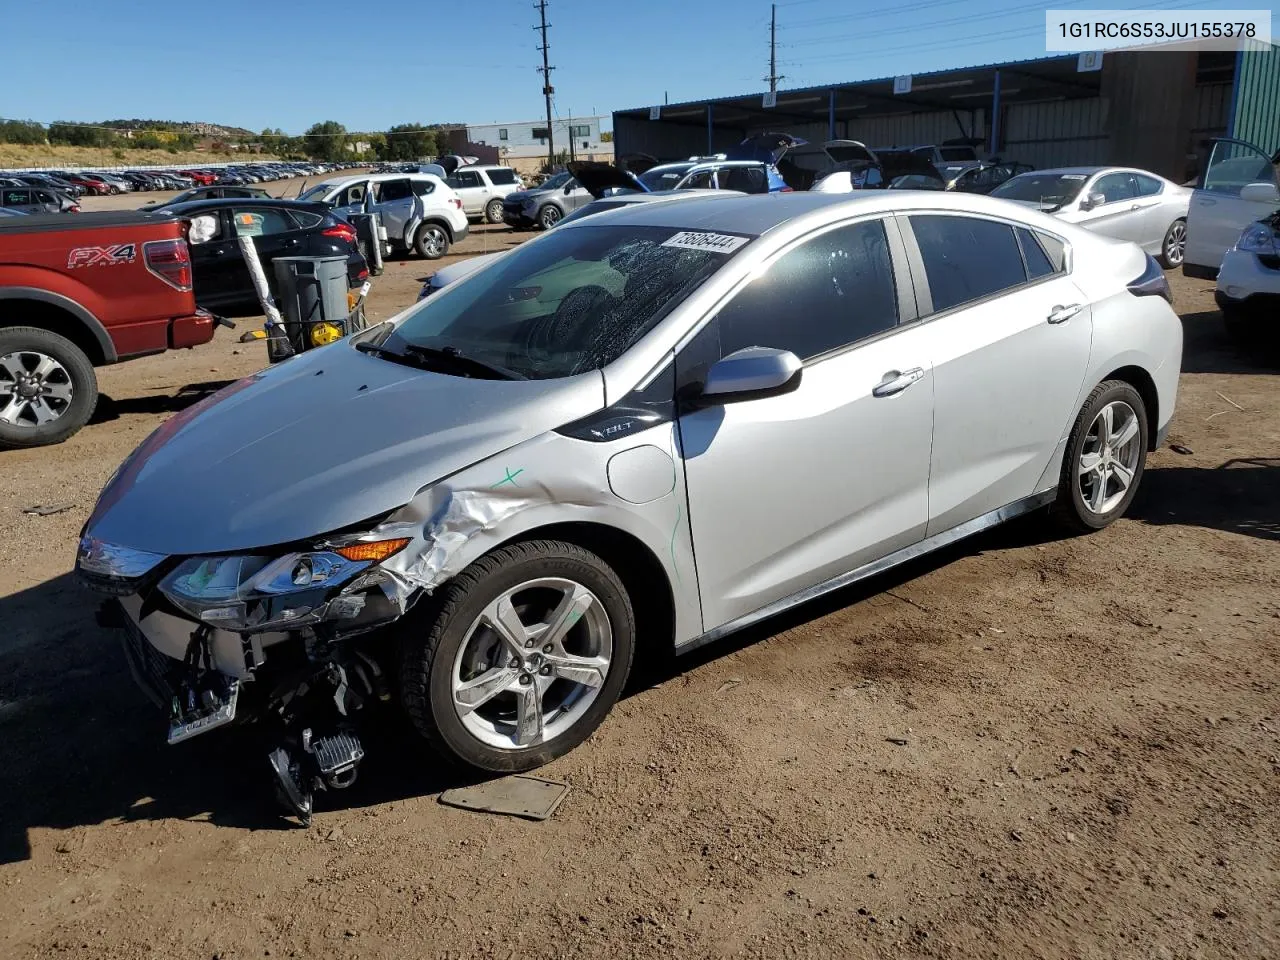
(1241, 184)
(483, 187)
(1248, 291)
(419, 211)
(1120, 202)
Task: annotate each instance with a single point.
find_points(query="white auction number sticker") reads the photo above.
(698, 240)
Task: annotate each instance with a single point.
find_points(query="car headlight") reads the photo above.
(252, 592)
(1259, 238)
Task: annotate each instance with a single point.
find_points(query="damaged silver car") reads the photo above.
(635, 433)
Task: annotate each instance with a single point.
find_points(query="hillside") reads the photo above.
(15, 155)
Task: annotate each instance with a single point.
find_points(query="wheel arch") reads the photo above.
(1145, 384)
(438, 221)
(61, 315)
(640, 570)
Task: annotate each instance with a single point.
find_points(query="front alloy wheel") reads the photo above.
(520, 657)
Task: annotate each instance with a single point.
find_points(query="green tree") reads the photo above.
(606, 136)
(409, 141)
(80, 135)
(21, 131)
(326, 140)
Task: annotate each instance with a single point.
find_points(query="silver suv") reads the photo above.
(482, 189)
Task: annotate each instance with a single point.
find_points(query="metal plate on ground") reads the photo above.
(532, 798)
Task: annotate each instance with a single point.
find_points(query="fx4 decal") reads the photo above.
(108, 256)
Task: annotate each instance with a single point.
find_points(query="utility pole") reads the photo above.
(545, 70)
(773, 76)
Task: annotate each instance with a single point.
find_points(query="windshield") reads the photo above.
(1047, 189)
(556, 182)
(574, 300)
(316, 192)
(665, 178)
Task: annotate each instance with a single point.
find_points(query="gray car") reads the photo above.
(37, 200)
(633, 434)
(546, 205)
(1120, 202)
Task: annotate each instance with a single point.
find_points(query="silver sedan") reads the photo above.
(1120, 202)
(635, 433)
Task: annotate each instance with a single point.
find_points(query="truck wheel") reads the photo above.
(493, 212)
(432, 242)
(47, 387)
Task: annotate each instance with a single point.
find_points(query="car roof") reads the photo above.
(379, 177)
(755, 214)
(214, 203)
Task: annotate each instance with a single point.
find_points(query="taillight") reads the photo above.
(343, 230)
(1152, 282)
(362, 274)
(74, 208)
(457, 203)
(170, 260)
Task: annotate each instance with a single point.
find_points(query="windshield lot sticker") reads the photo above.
(714, 242)
(110, 256)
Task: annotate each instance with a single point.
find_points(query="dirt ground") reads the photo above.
(1023, 747)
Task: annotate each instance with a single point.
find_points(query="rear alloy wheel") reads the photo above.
(432, 242)
(549, 216)
(493, 212)
(1174, 247)
(521, 659)
(1105, 458)
(48, 389)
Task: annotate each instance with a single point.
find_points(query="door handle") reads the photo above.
(1061, 314)
(895, 381)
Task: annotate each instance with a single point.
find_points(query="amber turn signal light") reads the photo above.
(374, 550)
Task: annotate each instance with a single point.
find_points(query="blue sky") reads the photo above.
(287, 64)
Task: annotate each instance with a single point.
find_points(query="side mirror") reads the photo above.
(1093, 200)
(1261, 192)
(752, 373)
(568, 188)
(203, 229)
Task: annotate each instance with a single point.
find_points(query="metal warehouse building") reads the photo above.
(1147, 109)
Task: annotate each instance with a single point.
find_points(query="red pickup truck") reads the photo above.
(82, 292)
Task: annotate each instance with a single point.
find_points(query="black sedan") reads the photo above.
(280, 228)
(206, 193)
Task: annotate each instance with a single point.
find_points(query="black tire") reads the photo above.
(493, 212)
(549, 216)
(1173, 253)
(431, 241)
(78, 372)
(433, 633)
(1069, 510)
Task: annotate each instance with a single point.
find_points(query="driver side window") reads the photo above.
(830, 291)
(1114, 187)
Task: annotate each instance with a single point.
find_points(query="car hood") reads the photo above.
(597, 178)
(328, 439)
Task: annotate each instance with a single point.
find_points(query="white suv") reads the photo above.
(482, 189)
(419, 211)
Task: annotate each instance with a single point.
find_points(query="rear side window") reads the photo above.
(43, 196)
(966, 259)
(1147, 186)
(502, 176)
(394, 190)
(15, 198)
(1055, 250)
(305, 219)
(1037, 261)
(260, 221)
(422, 187)
(831, 291)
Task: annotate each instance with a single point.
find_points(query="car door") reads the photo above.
(1119, 214)
(788, 491)
(1010, 339)
(218, 273)
(394, 202)
(351, 198)
(1218, 212)
(44, 201)
(471, 188)
(275, 234)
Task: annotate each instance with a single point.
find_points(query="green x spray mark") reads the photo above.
(509, 478)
